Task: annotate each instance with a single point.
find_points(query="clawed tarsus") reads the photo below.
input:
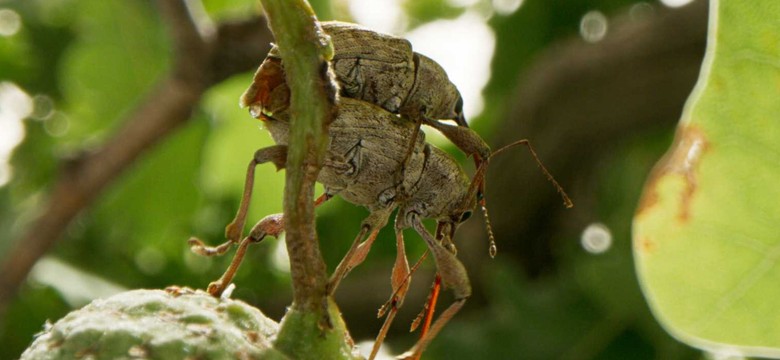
(272, 225)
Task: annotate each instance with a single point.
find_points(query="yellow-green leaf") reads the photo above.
(705, 236)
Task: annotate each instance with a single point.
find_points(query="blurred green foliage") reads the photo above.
(97, 59)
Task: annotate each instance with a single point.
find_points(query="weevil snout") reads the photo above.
(268, 94)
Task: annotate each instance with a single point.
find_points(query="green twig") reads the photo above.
(313, 327)
(304, 50)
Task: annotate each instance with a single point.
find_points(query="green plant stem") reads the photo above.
(304, 47)
(312, 328)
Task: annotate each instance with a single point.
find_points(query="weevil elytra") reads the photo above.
(375, 159)
(384, 70)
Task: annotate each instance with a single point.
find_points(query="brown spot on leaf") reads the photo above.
(646, 245)
(683, 159)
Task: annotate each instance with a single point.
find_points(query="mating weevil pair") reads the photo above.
(377, 158)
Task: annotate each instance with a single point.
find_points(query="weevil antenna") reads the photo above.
(480, 179)
(566, 200)
(477, 184)
(492, 250)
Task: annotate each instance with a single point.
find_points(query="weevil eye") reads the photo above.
(465, 216)
(459, 105)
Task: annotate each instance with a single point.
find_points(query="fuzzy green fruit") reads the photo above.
(155, 324)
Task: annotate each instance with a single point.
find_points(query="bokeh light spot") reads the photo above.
(57, 125)
(15, 106)
(506, 7)
(380, 15)
(195, 263)
(280, 260)
(675, 3)
(365, 347)
(10, 22)
(150, 260)
(596, 238)
(641, 11)
(43, 107)
(593, 26)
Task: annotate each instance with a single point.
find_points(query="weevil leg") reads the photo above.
(400, 279)
(386, 306)
(444, 234)
(199, 247)
(276, 154)
(272, 225)
(361, 252)
(463, 137)
(375, 221)
(428, 309)
(399, 175)
(419, 347)
(454, 276)
(468, 141)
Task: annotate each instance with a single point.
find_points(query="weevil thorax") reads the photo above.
(433, 94)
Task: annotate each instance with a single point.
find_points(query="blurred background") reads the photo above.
(121, 137)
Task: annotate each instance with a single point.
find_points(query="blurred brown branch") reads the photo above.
(199, 62)
(577, 103)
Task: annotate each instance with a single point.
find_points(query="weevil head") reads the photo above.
(268, 94)
(433, 94)
(460, 118)
(462, 212)
(445, 229)
(466, 206)
(455, 220)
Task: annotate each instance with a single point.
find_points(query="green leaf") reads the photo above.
(227, 9)
(118, 55)
(705, 236)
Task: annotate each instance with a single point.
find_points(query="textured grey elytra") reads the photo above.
(384, 70)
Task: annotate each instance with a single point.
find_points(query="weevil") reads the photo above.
(384, 70)
(366, 149)
(370, 150)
